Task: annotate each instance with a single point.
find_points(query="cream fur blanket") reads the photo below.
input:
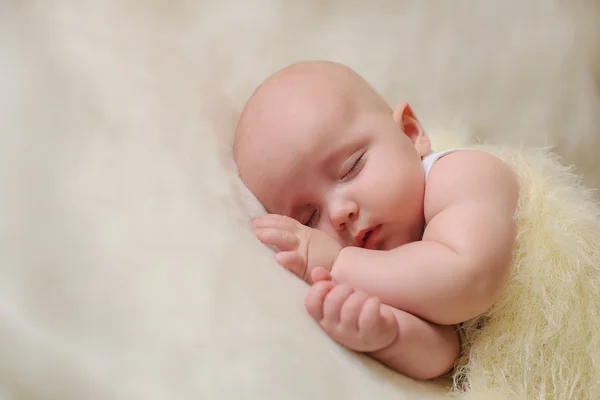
(542, 337)
(126, 266)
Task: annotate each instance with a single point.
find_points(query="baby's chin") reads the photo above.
(395, 241)
(390, 244)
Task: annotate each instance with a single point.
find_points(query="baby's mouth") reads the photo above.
(369, 238)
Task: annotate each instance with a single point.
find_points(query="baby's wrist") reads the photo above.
(339, 263)
(394, 339)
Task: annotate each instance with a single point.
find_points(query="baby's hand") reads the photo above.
(301, 248)
(351, 317)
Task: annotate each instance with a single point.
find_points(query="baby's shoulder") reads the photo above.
(468, 175)
(469, 161)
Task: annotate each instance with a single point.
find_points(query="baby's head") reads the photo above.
(317, 143)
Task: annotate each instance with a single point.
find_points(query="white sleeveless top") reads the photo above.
(432, 157)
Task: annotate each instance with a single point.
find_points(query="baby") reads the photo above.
(399, 243)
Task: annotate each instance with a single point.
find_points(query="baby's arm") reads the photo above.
(400, 340)
(457, 271)
(422, 350)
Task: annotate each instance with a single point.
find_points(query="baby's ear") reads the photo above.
(410, 125)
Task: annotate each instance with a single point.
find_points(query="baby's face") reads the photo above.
(335, 158)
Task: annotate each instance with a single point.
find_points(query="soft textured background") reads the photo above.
(126, 269)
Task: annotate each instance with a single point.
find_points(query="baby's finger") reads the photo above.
(275, 221)
(389, 320)
(282, 239)
(315, 299)
(351, 310)
(293, 262)
(333, 303)
(320, 274)
(370, 314)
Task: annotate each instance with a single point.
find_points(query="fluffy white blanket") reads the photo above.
(126, 266)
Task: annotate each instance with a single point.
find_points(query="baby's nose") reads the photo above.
(343, 212)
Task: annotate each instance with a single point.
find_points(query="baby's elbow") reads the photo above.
(444, 359)
(488, 279)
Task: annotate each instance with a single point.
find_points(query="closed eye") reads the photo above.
(311, 219)
(356, 167)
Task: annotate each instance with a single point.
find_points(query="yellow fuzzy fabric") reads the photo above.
(541, 340)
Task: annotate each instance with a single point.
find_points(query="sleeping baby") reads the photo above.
(399, 243)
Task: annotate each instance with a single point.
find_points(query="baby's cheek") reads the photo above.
(344, 241)
(329, 231)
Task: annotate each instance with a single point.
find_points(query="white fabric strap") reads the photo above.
(432, 157)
